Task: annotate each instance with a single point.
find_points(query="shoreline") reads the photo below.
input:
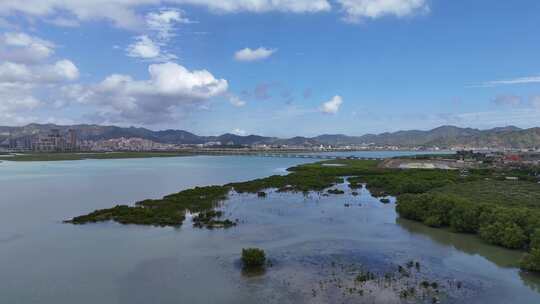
(436, 198)
(45, 157)
(69, 156)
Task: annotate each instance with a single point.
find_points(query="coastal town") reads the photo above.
(453, 157)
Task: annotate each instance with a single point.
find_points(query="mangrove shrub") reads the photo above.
(253, 257)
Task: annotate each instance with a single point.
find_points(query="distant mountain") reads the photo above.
(444, 136)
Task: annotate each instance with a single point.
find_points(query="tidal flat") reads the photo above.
(322, 251)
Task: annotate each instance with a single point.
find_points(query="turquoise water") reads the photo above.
(45, 261)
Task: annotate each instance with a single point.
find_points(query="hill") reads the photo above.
(444, 136)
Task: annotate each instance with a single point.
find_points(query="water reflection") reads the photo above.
(307, 238)
(473, 245)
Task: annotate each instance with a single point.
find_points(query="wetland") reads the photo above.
(345, 246)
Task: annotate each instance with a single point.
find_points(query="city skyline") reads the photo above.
(277, 68)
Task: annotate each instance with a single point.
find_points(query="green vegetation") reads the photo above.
(253, 258)
(499, 192)
(297, 182)
(502, 212)
(308, 177)
(335, 191)
(167, 211)
(364, 277)
(209, 219)
(81, 156)
(509, 227)
(383, 182)
(531, 260)
(170, 210)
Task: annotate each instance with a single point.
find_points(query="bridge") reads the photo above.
(282, 154)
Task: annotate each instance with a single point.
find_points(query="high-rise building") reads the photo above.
(56, 142)
(72, 139)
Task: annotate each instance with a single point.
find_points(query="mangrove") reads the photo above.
(485, 202)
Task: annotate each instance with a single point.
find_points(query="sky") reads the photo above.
(271, 67)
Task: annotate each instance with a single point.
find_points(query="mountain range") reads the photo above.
(444, 136)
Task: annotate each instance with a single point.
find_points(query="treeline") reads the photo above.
(509, 227)
(396, 182)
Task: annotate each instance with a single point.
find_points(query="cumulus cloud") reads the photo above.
(23, 48)
(144, 48)
(169, 87)
(27, 69)
(240, 132)
(62, 70)
(507, 100)
(332, 106)
(17, 102)
(122, 13)
(236, 101)
(259, 6)
(356, 10)
(16, 96)
(248, 55)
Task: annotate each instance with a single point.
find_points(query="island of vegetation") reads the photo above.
(501, 206)
(253, 258)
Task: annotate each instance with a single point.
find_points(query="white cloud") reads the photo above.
(123, 12)
(120, 12)
(236, 101)
(16, 103)
(164, 21)
(239, 132)
(332, 106)
(144, 48)
(248, 54)
(170, 86)
(161, 28)
(66, 70)
(23, 48)
(259, 6)
(356, 10)
(26, 70)
(17, 97)
(520, 80)
(62, 70)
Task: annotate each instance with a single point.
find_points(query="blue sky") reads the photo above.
(280, 67)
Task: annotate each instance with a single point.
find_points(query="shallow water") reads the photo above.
(308, 239)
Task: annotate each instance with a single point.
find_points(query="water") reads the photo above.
(45, 261)
(382, 154)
